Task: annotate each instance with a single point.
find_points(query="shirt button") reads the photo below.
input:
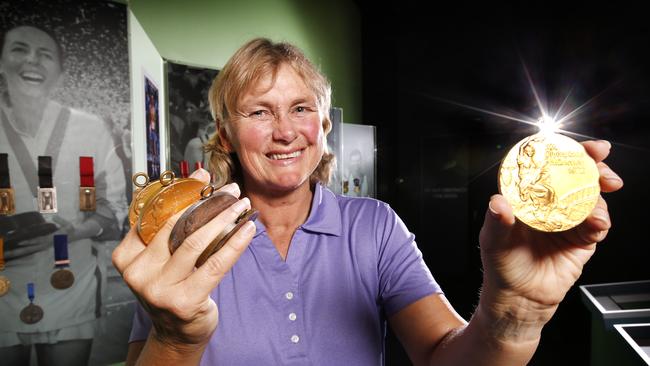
(295, 338)
(292, 316)
(289, 295)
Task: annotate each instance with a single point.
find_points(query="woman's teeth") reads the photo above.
(294, 154)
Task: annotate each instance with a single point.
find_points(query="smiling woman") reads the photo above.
(34, 125)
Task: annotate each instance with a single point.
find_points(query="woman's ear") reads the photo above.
(225, 141)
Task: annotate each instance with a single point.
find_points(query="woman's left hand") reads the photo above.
(528, 272)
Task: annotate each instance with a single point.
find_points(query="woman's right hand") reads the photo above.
(172, 291)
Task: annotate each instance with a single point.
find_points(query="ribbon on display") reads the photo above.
(61, 259)
(198, 165)
(7, 204)
(185, 169)
(87, 197)
(46, 199)
(62, 278)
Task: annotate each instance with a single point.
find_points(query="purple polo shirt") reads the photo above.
(349, 266)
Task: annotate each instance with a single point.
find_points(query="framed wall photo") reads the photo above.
(335, 146)
(358, 160)
(72, 103)
(152, 123)
(190, 124)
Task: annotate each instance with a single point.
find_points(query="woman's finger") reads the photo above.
(593, 229)
(201, 174)
(130, 247)
(185, 257)
(208, 276)
(609, 181)
(598, 149)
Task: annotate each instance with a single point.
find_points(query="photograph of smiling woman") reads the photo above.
(64, 72)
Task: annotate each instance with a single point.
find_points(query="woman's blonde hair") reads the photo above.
(254, 60)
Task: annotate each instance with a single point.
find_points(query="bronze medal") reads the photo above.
(5, 285)
(225, 235)
(211, 204)
(31, 314)
(62, 279)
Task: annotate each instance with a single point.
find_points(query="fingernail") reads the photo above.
(612, 176)
(243, 204)
(249, 227)
(606, 143)
(232, 188)
(492, 211)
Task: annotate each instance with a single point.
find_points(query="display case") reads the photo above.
(613, 304)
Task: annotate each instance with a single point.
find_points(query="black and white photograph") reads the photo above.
(335, 146)
(190, 123)
(358, 160)
(64, 93)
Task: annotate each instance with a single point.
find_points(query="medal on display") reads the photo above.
(5, 284)
(7, 205)
(87, 200)
(46, 190)
(211, 204)
(550, 181)
(63, 277)
(31, 313)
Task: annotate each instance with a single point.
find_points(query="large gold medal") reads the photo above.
(550, 182)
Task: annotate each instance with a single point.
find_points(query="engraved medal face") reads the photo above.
(62, 279)
(47, 200)
(31, 314)
(87, 200)
(165, 204)
(550, 182)
(7, 205)
(5, 285)
(225, 235)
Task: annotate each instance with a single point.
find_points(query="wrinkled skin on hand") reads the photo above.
(533, 270)
(175, 294)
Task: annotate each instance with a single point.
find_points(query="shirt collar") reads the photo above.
(324, 217)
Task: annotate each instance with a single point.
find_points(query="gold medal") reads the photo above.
(174, 196)
(5, 285)
(550, 182)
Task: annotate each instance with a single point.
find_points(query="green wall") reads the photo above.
(206, 33)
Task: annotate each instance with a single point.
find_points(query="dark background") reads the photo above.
(438, 162)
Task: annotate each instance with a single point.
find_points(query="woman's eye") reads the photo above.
(259, 114)
(19, 49)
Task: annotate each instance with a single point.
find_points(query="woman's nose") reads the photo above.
(284, 129)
